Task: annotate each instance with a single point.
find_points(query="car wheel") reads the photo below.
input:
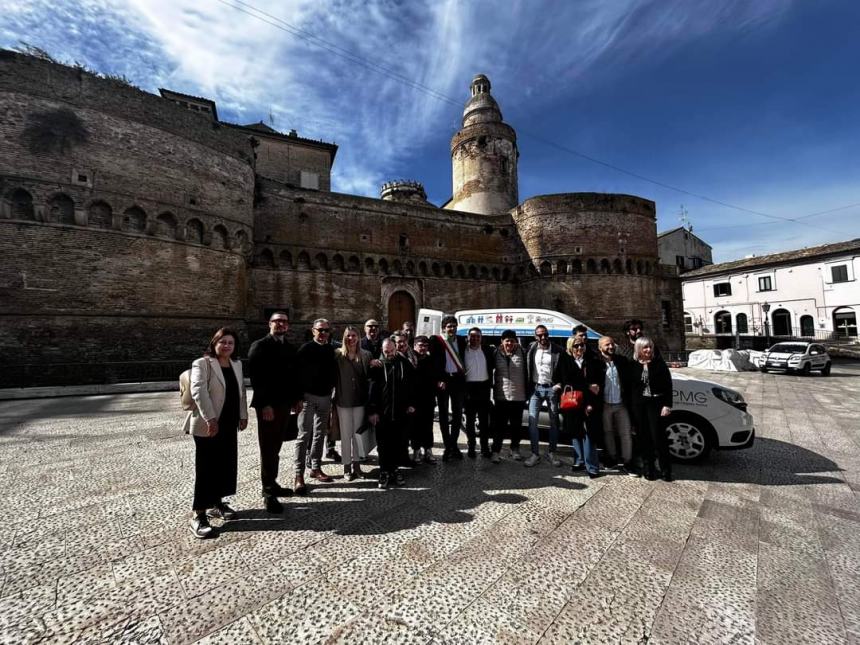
(806, 369)
(763, 369)
(689, 437)
(825, 371)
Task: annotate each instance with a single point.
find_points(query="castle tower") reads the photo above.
(484, 157)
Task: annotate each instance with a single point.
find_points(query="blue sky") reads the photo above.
(753, 104)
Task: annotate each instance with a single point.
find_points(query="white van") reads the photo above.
(705, 415)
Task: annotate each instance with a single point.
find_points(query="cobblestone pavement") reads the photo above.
(756, 546)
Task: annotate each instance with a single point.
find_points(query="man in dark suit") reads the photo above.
(479, 361)
(446, 350)
(272, 362)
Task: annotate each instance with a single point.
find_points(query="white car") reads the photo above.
(797, 356)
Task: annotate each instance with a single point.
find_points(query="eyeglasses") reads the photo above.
(541, 335)
(279, 321)
(578, 345)
(322, 330)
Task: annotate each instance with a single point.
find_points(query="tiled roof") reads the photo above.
(262, 128)
(786, 257)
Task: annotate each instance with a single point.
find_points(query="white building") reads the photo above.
(811, 292)
(683, 249)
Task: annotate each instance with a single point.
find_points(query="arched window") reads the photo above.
(398, 267)
(134, 220)
(422, 268)
(497, 275)
(265, 259)
(485, 273)
(321, 261)
(338, 262)
(473, 271)
(219, 237)
(639, 267)
(304, 261)
(194, 231)
(448, 270)
(741, 322)
(354, 264)
(61, 209)
(21, 203)
(383, 266)
(604, 266)
(285, 259)
(845, 323)
(241, 240)
(576, 266)
(781, 322)
(100, 215)
(617, 267)
(410, 267)
(461, 271)
(165, 225)
(506, 274)
(370, 265)
(723, 322)
(629, 265)
(437, 270)
(561, 267)
(591, 266)
(807, 326)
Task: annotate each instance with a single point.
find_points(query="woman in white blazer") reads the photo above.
(218, 389)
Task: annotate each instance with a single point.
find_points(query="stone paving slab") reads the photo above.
(757, 546)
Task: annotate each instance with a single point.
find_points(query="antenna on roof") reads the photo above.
(685, 219)
(271, 118)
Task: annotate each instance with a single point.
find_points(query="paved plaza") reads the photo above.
(755, 546)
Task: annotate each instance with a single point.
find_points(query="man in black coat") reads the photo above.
(421, 436)
(446, 351)
(272, 362)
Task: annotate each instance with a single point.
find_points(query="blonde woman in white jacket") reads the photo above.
(217, 387)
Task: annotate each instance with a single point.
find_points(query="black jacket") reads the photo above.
(624, 367)
(317, 369)
(424, 383)
(567, 372)
(375, 348)
(659, 378)
(391, 389)
(531, 366)
(439, 354)
(273, 373)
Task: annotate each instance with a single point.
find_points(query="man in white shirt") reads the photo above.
(541, 361)
(479, 362)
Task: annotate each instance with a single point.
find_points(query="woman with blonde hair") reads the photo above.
(218, 390)
(651, 383)
(350, 397)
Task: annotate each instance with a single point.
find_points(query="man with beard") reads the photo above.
(389, 406)
(541, 361)
(276, 401)
(633, 329)
(615, 403)
(446, 351)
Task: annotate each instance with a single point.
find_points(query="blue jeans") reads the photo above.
(543, 393)
(586, 452)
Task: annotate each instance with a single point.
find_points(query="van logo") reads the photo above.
(692, 398)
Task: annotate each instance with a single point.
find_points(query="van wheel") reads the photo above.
(806, 369)
(825, 371)
(690, 437)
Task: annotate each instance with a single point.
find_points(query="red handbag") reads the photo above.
(571, 399)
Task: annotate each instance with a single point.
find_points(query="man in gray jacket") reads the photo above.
(509, 393)
(541, 361)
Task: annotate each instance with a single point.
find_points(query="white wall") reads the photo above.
(803, 289)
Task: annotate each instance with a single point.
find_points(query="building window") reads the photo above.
(666, 313)
(688, 323)
(697, 263)
(723, 322)
(742, 325)
(807, 326)
(723, 289)
(765, 283)
(839, 273)
(845, 323)
(679, 261)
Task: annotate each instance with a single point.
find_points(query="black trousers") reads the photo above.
(389, 443)
(215, 467)
(421, 435)
(507, 414)
(450, 426)
(652, 441)
(477, 406)
(271, 436)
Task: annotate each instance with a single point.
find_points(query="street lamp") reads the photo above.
(764, 309)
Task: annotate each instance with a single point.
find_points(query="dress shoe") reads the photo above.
(320, 476)
(667, 477)
(356, 470)
(334, 455)
(594, 475)
(273, 505)
(471, 452)
(299, 487)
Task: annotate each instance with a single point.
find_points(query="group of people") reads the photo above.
(381, 390)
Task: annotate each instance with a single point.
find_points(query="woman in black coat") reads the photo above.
(577, 370)
(651, 387)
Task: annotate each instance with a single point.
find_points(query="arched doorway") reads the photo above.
(781, 321)
(723, 322)
(742, 324)
(845, 323)
(401, 307)
(807, 326)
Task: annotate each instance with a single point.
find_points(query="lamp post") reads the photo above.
(764, 309)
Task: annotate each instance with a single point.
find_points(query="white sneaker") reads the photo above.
(552, 458)
(516, 456)
(533, 460)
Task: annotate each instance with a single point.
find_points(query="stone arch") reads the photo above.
(370, 265)
(461, 271)
(639, 267)
(576, 266)
(285, 259)
(219, 237)
(647, 268)
(265, 259)
(617, 267)
(437, 270)
(723, 322)
(629, 265)
(21, 205)
(337, 262)
(561, 267)
(60, 209)
(485, 273)
(410, 267)
(134, 220)
(354, 264)
(165, 225)
(506, 274)
(780, 322)
(422, 267)
(304, 261)
(604, 266)
(241, 238)
(100, 215)
(591, 266)
(397, 267)
(383, 266)
(321, 261)
(473, 271)
(497, 274)
(448, 270)
(194, 231)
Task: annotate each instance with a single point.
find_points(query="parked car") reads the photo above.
(797, 356)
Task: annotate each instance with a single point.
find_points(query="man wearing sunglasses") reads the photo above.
(633, 329)
(317, 374)
(541, 361)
